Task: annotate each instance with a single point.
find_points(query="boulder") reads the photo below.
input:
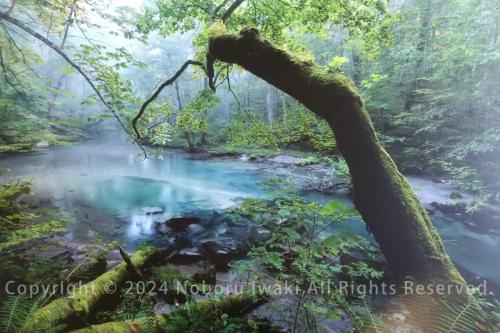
(182, 223)
(223, 251)
(42, 144)
(206, 276)
(186, 256)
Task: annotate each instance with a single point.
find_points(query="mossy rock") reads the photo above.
(206, 276)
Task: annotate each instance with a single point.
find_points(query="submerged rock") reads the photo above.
(150, 210)
(458, 210)
(185, 256)
(182, 223)
(223, 251)
(285, 159)
(206, 276)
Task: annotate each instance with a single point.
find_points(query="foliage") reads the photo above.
(18, 226)
(192, 319)
(302, 129)
(15, 310)
(450, 315)
(303, 252)
(191, 118)
(435, 95)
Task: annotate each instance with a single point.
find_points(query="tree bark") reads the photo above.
(422, 42)
(232, 305)
(382, 195)
(77, 306)
(270, 107)
(204, 134)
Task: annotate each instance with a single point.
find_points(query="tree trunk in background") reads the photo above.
(356, 63)
(248, 94)
(423, 39)
(270, 105)
(188, 135)
(204, 135)
(60, 81)
(382, 195)
(497, 27)
(285, 110)
(173, 119)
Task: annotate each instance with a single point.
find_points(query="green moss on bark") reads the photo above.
(382, 195)
(77, 306)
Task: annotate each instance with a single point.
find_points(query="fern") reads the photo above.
(446, 316)
(15, 311)
(364, 319)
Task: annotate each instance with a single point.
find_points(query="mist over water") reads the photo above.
(105, 183)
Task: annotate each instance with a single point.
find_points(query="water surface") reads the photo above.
(105, 184)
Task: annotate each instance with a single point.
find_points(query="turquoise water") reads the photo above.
(105, 185)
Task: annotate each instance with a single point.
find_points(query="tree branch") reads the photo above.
(6, 71)
(231, 10)
(210, 59)
(11, 7)
(159, 90)
(218, 8)
(58, 50)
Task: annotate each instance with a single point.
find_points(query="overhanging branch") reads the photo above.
(59, 51)
(210, 59)
(159, 90)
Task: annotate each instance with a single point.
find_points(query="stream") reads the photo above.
(104, 185)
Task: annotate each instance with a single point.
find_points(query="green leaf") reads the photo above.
(331, 207)
(291, 234)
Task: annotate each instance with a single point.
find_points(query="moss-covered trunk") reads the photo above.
(76, 307)
(382, 195)
(232, 305)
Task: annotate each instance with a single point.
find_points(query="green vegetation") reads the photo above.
(372, 89)
(19, 225)
(302, 252)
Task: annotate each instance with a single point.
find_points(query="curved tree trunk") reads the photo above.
(382, 195)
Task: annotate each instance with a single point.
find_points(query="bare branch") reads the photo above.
(159, 90)
(231, 10)
(218, 8)
(152, 127)
(210, 58)
(11, 8)
(6, 72)
(240, 107)
(54, 47)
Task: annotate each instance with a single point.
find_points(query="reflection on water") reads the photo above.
(105, 185)
(140, 224)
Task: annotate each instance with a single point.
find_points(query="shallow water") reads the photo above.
(105, 185)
